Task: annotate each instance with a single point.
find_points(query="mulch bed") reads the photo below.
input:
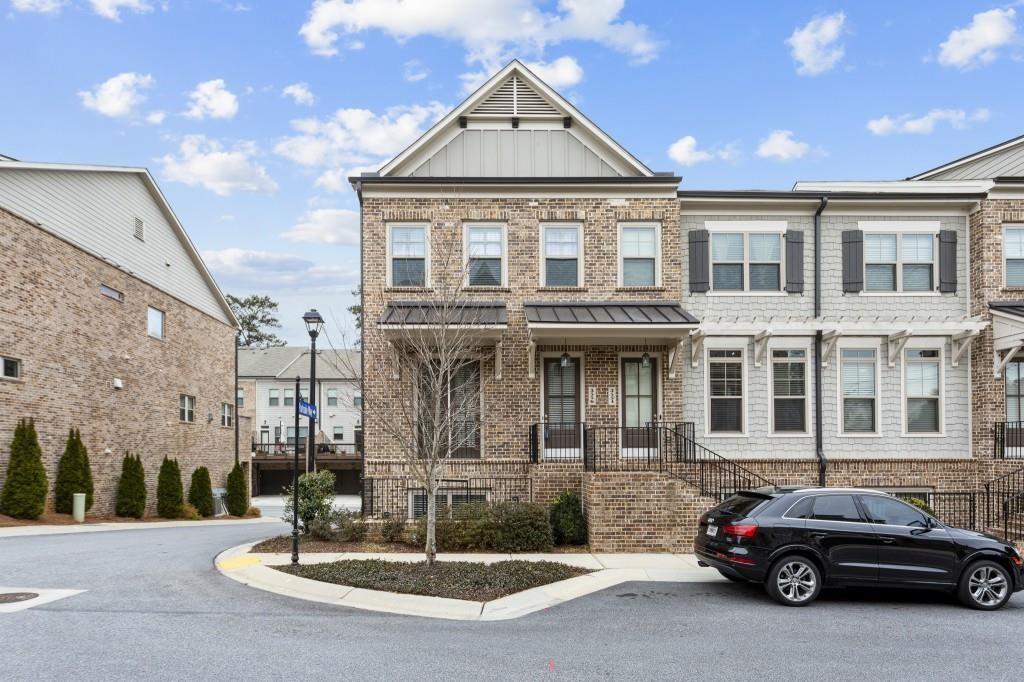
(283, 543)
(451, 579)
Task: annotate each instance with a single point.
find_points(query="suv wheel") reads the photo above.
(794, 581)
(985, 585)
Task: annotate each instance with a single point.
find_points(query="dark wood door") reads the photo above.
(562, 428)
(639, 403)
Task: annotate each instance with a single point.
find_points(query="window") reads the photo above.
(155, 322)
(836, 508)
(11, 368)
(240, 398)
(277, 434)
(561, 256)
(858, 369)
(289, 397)
(922, 374)
(303, 432)
(408, 255)
(111, 292)
(638, 249)
(1013, 252)
(891, 512)
(186, 408)
(274, 398)
(899, 262)
(446, 500)
(339, 434)
(332, 397)
(725, 376)
(485, 248)
(357, 400)
(800, 510)
(746, 261)
(227, 415)
(457, 391)
(789, 391)
(1015, 391)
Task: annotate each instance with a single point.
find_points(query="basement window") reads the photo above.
(11, 368)
(111, 292)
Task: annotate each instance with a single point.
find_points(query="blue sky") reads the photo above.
(729, 95)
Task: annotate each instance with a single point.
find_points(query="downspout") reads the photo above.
(818, 401)
(234, 404)
(362, 359)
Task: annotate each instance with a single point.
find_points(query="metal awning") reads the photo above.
(608, 321)
(487, 319)
(1007, 332)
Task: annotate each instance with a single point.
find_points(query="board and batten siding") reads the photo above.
(96, 212)
(1008, 162)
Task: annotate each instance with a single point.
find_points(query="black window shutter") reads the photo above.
(947, 261)
(853, 260)
(795, 261)
(700, 279)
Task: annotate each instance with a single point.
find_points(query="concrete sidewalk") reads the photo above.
(254, 569)
(60, 529)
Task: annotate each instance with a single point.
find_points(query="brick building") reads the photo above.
(110, 323)
(657, 348)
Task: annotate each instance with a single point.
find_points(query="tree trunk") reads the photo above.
(431, 548)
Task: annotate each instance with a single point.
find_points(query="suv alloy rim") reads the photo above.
(987, 585)
(796, 581)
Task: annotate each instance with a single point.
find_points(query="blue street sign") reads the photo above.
(307, 410)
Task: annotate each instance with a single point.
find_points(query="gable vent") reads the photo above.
(140, 229)
(515, 98)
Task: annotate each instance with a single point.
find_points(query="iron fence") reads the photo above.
(390, 497)
(1008, 440)
(557, 441)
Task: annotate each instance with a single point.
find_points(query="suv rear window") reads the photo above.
(741, 504)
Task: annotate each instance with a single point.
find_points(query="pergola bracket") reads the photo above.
(696, 346)
(961, 343)
(829, 340)
(999, 363)
(897, 342)
(761, 346)
(531, 359)
(673, 358)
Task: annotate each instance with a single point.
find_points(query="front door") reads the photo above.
(562, 428)
(639, 406)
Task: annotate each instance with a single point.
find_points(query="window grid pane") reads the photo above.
(639, 242)
(725, 378)
(858, 387)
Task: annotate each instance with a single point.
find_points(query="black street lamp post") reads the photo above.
(314, 323)
(295, 482)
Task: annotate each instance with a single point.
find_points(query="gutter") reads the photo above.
(819, 446)
(358, 187)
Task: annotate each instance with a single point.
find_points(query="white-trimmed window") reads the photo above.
(227, 414)
(746, 261)
(357, 400)
(408, 255)
(447, 499)
(562, 256)
(485, 249)
(274, 397)
(789, 390)
(1013, 256)
(11, 368)
(899, 262)
(303, 432)
(922, 371)
(339, 434)
(859, 385)
(725, 391)
(186, 408)
(240, 398)
(332, 397)
(289, 397)
(111, 292)
(155, 322)
(639, 251)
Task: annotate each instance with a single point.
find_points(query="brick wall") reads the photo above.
(73, 342)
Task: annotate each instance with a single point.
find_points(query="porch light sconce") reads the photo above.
(645, 360)
(564, 362)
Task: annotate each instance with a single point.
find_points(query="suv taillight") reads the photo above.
(743, 529)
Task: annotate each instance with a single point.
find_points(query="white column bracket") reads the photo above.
(897, 342)
(829, 340)
(999, 363)
(497, 361)
(961, 344)
(761, 345)
(531, 359)
(396, 369)
(673, 358)
(696, 346)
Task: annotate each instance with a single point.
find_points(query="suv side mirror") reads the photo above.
(932, 523)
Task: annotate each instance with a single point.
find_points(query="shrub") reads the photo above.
(237, 492)
(131, 488)
(502, 527)
(73, 475)
(567, 523)
(316, 494)
(170, 496)
(350, 525)
(189, 512)
(920, 504)
(24, 492)
(253, 513)
(521, 527)
(393, 529)
(200, 492)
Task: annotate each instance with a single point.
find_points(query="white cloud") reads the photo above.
(336, 179)
(40, 6)
(267, 270)
(356, 136)
(815, 47)
(155, 117)
(491, 31)
(413, 71)
(923, 125)
(111, 9)
(204, 162)
(300, 93)
(118, 96)
(563, 72)
(326, 226)
(979, 42)
(212, 99)
(780, 145)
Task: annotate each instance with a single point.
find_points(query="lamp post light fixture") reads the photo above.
(295, 482)
(314, 324)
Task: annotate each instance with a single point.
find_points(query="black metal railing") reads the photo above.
(1008, 440)
(1004, 504)
(955, 508)
(390, 497)
(557, 441)
(285, 449)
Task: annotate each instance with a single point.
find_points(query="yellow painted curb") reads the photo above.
(238, 562)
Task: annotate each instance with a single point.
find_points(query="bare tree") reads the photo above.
(431, 363)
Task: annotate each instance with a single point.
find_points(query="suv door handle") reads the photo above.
(818, 536)
(887, 540)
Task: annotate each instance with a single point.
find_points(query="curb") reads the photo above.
(255, 571)
(107, 526)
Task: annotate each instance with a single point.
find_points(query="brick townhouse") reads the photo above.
(657, 348)
(110, 323)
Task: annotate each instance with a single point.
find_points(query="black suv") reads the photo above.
(797, 540)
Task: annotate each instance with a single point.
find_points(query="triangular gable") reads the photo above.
(515, 125)
(1001, 160)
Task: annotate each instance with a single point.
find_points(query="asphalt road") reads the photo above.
(156, 608)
